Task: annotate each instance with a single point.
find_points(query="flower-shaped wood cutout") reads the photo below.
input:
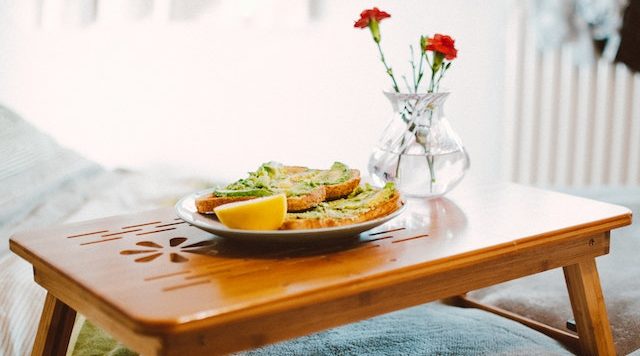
(175, 250)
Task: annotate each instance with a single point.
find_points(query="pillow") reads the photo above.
(40, 184)
(32, 167)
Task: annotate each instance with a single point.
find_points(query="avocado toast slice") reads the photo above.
(305, 188)
(363, 204)
(338, 181)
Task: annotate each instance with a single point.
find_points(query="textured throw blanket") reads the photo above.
(430, 329)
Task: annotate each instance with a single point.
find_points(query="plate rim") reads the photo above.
(179, 206)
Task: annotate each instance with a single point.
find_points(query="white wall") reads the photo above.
(220, 95)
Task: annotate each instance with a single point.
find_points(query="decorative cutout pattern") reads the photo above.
(386, 231)
(174, 250)
(171, 224)
(155, 231)
(87, 234)
(98, 241)
(149, 244)
(178, 248)
(379, 238)
(139, 229)
(121, 232)
(145, 224)
(409, 238)
(166, 275)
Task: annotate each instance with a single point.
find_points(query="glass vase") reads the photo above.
(418, 150)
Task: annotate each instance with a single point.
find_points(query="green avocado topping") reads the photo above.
(243, 193)
(298, 189)
(361, 200)
(272, 178)
(339, 173)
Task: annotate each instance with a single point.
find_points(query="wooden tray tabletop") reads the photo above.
(156, 273)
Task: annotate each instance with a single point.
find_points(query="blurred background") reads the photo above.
(215, 87)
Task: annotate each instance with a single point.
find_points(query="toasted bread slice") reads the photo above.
(308, 201)
(206, 204)
(346, 211)
(339, 180)
(340, 190)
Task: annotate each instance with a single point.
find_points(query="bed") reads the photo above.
(42, 183)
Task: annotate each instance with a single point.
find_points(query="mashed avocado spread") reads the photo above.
(273, 178)
(361, 200)
(338, 173)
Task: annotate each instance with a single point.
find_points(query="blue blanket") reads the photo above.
(430, 329)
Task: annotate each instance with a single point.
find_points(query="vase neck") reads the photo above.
(421, 109)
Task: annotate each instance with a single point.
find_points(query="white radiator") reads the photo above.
(568, 125)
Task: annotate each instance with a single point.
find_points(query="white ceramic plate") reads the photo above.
(186, 209)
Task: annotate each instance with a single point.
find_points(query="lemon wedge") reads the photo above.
(266, 213)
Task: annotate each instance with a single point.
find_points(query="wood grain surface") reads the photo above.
(589, 309)
(54, 329)
(163, 286)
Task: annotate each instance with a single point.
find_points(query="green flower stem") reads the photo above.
(430, 162)
(420, 73)
(432, 83)
(411, 128)
(406, 83)
(414, 76)
(442, 73)
(430, 157)
(389, 70)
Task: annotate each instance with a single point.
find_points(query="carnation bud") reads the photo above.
(375, 30)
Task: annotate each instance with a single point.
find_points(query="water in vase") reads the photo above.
(422, 175)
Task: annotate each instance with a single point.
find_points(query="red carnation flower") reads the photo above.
(442, 44)
(367, 15)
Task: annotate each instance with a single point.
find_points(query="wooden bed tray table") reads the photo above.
(164, 287)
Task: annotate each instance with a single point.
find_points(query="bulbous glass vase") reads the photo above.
(418, 150)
